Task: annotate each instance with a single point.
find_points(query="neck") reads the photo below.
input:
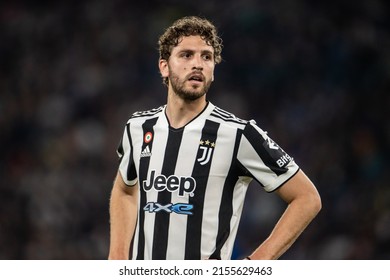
(180, 112)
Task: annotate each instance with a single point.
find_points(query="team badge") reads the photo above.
(148, 137)
(206, 149)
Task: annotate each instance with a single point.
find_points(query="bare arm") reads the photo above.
(304, 203)
(123, 218)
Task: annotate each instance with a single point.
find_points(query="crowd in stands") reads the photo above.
(314, 74)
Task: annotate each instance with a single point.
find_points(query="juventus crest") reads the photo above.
(205, 151)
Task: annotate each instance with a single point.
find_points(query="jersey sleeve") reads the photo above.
(268, 163)
(126, 161)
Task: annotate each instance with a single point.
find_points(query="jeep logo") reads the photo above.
(182, 185)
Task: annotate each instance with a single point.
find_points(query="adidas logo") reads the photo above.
(146, 152)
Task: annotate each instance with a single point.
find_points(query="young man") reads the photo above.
(185, 167)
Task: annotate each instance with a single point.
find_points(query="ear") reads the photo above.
(163, 66)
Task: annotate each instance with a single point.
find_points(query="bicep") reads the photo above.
(298, 186)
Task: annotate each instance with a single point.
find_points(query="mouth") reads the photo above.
(196, 77)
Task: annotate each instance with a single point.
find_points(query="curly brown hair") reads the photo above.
(189, 26)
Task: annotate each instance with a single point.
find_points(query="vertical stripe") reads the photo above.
(120, 151)
(239, 192)
(126, 163)
(161, 225)
(201, 173)
(178, 222)
(161, 133)
(226, 209)
(131, 172)
(221, 164)
(147, 127)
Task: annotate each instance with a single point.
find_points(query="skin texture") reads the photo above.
(123, 218)
(186, 97)
(190, 71)
(303, 204)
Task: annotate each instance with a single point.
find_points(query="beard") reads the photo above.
(190, 94)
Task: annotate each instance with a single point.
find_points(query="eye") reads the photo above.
(186, 55)
(207, 57)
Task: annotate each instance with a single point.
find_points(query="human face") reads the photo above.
(190, 68)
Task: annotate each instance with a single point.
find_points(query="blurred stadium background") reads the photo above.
(315, 74)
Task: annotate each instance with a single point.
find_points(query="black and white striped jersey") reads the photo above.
(193, 180)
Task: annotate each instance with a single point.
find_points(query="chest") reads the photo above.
(204, 149)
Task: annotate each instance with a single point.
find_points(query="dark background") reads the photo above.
(314, 74)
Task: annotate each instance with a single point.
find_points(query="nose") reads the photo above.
(197, 63)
